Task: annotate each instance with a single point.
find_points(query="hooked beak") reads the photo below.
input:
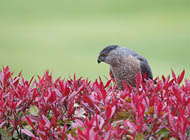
(100, 59)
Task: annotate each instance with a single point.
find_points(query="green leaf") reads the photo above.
(163, 133)
(80, 128)
(139, 136)
(74, 132)
(34, 110)
(28, 127)
(15, 135)
(4, 133)
(173, 138)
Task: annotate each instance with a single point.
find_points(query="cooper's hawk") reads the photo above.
(124, 64)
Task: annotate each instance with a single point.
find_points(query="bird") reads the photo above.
(125, 64)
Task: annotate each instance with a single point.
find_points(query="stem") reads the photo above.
(17, 125)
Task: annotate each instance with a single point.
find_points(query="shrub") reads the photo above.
(78, 109)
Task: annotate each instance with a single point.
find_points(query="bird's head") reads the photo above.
(109, 55)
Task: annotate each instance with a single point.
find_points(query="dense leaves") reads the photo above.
(78, 109)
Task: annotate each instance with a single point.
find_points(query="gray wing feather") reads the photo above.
(145, 68)
(111, 73)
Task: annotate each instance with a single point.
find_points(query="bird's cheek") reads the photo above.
(107, 60)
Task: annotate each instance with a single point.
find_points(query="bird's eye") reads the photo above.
(103, 55)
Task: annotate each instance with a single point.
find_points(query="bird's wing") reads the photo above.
(111, 73)
(145, 68)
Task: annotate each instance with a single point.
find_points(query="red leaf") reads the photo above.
(108, 113)
(16, 81)
(64, 132)
(30, 122)
(1, 77)
(102, 89)
(27, 132)
(52, 97)
(138, 80)
(7, 73)
(2, 123)
(131, 125)
(81, 135)
(54, 121)
(173, 75)
(163, 78)
(125, 85)
(108, 83)
(31, 80)
(70, 108)
(180, 77)
(108, 134)
(88, 100)
(73, 94)
(35, 94)
(110, 110)
(44, 122)
(104, 93)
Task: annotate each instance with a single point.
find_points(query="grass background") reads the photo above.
(65, 36)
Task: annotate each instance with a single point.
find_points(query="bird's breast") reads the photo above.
(126, 70)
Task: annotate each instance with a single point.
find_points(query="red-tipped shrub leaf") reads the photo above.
(27, 132)
(52, 97)
(30, 122)
(78, 109)
(138, 80)
(110, 110)
(88, 100)
(173, 75)
(108, 83)
(180, 77)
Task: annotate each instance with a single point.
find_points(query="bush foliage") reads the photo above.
(78, 109)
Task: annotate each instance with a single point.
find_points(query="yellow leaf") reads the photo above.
(139, 136)
(128, 99)
(120, 115)
(151, 110)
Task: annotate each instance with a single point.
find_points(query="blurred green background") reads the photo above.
(65, 36)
